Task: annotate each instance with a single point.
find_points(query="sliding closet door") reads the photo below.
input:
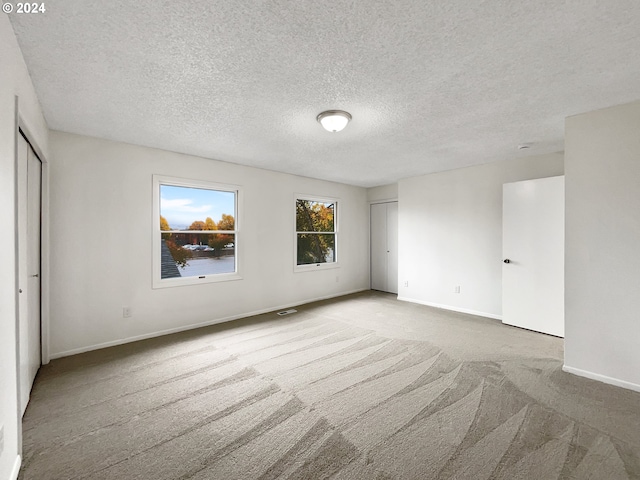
(392, 247)
(379, 246)
(384, 247)
(29, 222)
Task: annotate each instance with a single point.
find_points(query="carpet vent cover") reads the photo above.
(287, 312)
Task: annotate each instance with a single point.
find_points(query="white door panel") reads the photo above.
(392, 247)
(379, 246)
(384, 247)
(29, 201)
(533, 243)
(34, 188)
(23, 302)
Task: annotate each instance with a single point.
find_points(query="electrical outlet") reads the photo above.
(126, 312)
(456, 289)
(406, 283)
(1, 439)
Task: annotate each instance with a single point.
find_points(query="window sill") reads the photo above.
(181, 282)
(314, 267)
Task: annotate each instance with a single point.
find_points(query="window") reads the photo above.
(195, 232)
(316, 233)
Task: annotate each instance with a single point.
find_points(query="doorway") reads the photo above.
(29, 186)
(384, 247)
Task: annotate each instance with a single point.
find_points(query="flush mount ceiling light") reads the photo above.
(334, 120)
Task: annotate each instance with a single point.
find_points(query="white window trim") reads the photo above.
(336, 225)
(157, 281)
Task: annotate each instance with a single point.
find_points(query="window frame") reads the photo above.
(336, 226)
(157, 281)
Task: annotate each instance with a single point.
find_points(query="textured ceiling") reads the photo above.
(432, 85)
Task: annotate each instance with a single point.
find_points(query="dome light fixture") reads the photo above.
(334, 120)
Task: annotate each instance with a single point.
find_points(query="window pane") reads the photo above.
(314, 216)
(316, 248)
(197, 254)
(186, 208)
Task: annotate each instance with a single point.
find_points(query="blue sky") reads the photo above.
(181, 206)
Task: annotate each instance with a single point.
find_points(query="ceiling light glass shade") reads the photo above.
(334, 120)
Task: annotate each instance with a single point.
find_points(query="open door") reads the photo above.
(533, 255)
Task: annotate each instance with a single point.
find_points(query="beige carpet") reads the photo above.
(361, 387)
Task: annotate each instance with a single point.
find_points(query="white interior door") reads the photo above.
(533, 255)
(392, 247)
(29, 222)
(379, 246)
(384, 247)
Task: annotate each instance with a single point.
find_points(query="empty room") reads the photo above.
(320, 240)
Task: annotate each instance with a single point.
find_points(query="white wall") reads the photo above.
(602, 291)
(14, 80)
(382, 193)
(101, 231)
(450, 233)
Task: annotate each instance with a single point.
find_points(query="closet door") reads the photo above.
(384, 247)
(392, 247)
(379, 246)
(29, 202)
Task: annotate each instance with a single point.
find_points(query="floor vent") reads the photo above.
(287, 312)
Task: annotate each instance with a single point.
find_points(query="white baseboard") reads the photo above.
(160, 333)
(16, 468)
(602, 378)
(453, 309)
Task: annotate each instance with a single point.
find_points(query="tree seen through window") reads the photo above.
(315, 232)
(188, 218)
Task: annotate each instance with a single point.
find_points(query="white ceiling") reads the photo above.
(432, 84)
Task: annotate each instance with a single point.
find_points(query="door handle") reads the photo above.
(34, 276)
(506, 260)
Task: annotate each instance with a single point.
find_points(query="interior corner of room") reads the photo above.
(455, 239)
